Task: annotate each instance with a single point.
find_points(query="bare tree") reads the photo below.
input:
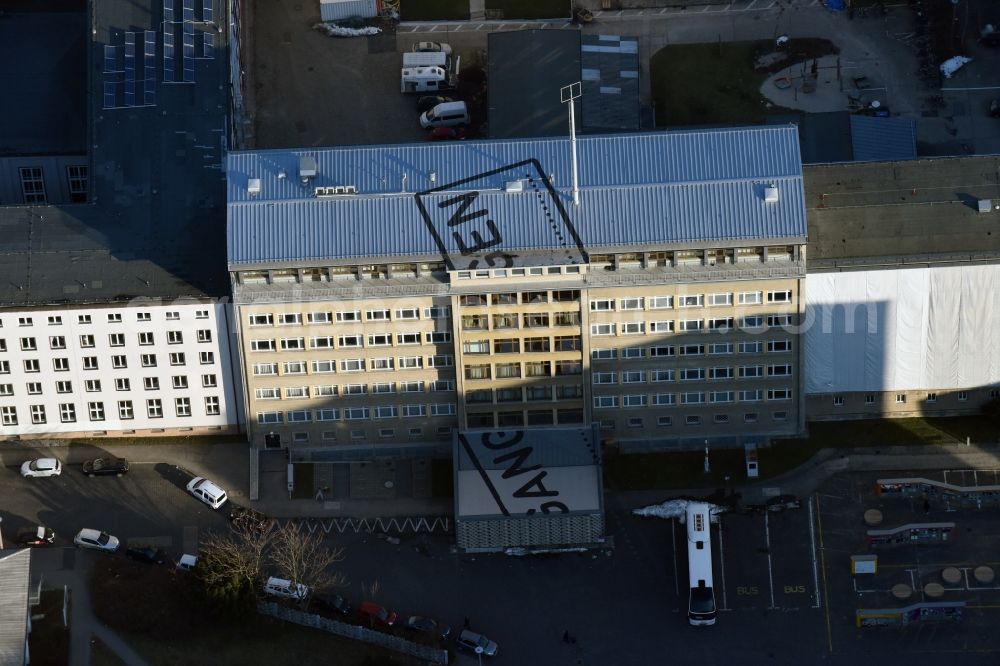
(237, 555)
(303, 558)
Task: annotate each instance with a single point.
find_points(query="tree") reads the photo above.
(231, 564)
(302, 558)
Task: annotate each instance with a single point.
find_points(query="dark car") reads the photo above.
(35, 536)
(240, 516)
(105, 467)
(470, 641)
(147, 555)
(333, 603)
(427, 627)
(428, 102)
(782, 502)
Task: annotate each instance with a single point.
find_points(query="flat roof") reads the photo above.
(609, 69)
(526, 70)
(415, 200)
(156, 223)
(43, 76)
(912, 211)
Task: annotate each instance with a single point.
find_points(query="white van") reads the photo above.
(207, 492)
(425, 79)
(280, 587)
(187, 562)
(448, 114)
(438, 59)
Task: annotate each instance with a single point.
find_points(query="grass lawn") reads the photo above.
(717, 84)
(531, 9)
(49, 638)
(686, 469)
(102, 655)
(434, 10)
(303, 481)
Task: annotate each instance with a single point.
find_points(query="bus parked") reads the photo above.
(701, 603)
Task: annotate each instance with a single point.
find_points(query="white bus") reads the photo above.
(701, 603)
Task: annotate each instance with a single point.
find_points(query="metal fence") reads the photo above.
(354, 631)
(375, 525)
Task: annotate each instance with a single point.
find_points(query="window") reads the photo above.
(123, 384)
(602, 305)
(318, 318)
(568, 343)
(175, 337)
(377, 315)
(754, 347)
(779, 320)
(298, 416)
(382, 363)
(348, 341)
(751, 371)
(34, 388)
(437, 312)
(720, 373)
(870, 399)
(390, 412)
(508, 370)
(32, 185)
(447, 409)
(720, 299)
(6, 389)
(289, 318)
(661, 302)
(838, 401)
(779, 296)
(204, 335)
(154, 408)
(691, 350)
(31, 365)
(116, 339)
(206, 357)
(92, 385)
(779, 370)
(325, 390)
(720, 396)
(179, 381)
(407, 338)
(352, 365)
(662, 376)
(692, 420)
(289, 344)
(537, 369)
(931, 397)
(173, 316)
(410, 411)
(87, 341)
(60, 364)
(64, 387)
(411, 362)
(661, 326)
(268, 417)
(721, 418)
(691, 325)
(754, 321)
(750, 298)
(721, 348)
(38, 414)
(385, 387)
(151, 383)
(962, 396)
(201, 314)
(633, 401)
(607, 424)
(692, 398)
(784, 394)
(83, 319)
(211, 405)
(566, 319)
(635, 377)
(119, 362)
(438, 337)
(145, 338)
(355, 389)
(474, 322)
(535, 393)
(664, 421)
(4, 367)
(25, 321)
(28, 344)
(57, 342)
(723, 324)
(356, 414)
(536, 320)
(691, 301)
(411, 387)
(900, 398)
(662, 350)
(605, 401)
(536, 344)
(177, 358)
(96, 410)
(779, 416)
(477, 372)
(631, 303)
(265, 369)
(602, 329)
(407, 313)
(602, 354)
(692, 374)
(148, 360)
(633, 328)
(115, 318)
(261, 320)
(326, 415)
(664, 399)
(634, 422)
(67, 412)
(784, 345)
(142, 316)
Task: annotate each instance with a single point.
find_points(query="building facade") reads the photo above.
(664, 335)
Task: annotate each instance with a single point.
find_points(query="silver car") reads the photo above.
(96, 540)
(41, 468)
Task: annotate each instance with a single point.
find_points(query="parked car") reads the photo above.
(96, 540)
(105, 467)
(187, 562)
(427, 627)
(241, 516)
(333, 603)
(782, 502)
(207, 492)
(35, 536)
(476, 643)
(446, 134)
(147, 554)
(280, 587)
(373, 614)
(432, 47)
(428, 102)
(41, 468)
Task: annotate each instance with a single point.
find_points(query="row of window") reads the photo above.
(963, 396)
(33, 184)
(529, 369)
(693, 374)
(113, 318)
(527, 394)
(691, 398)
(117, 362)
(690, 420)
(348, 316)
(715, 349)
(95, 411)
(145, 338)
(689, 301)
(121, 384)
(350, 341)
(520, 298)
(360, 434)
(299, 392)
(355, 365)
(560, 343)
(355, 413)
(687, 325)
(529, 417)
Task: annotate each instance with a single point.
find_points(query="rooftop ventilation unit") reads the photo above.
(307, 168)
(253, 186)
(513, 186)
(985, 205)
(771, 194)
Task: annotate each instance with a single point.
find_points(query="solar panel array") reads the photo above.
(129, 69)
(183, 30)
(149, 69)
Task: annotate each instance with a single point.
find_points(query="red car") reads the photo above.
(372, 614)
(446, 134)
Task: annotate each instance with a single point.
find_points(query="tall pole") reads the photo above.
(568, 95)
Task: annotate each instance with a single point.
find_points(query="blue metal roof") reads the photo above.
(635, 189)
(883, 139)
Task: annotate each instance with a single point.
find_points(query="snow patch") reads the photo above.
(952, 65)
(334, 30)
(675, 508)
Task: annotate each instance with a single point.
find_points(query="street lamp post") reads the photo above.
(568, 95)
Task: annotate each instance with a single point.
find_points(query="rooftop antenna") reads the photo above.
(404, 182)
(568, 95)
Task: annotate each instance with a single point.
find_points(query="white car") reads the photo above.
(432, 47)
(41, 467)
(207, 492)
(96, 540)
(280, 587)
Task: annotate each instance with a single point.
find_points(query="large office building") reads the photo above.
(903, 317)
(113, 316)
(388, 295)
